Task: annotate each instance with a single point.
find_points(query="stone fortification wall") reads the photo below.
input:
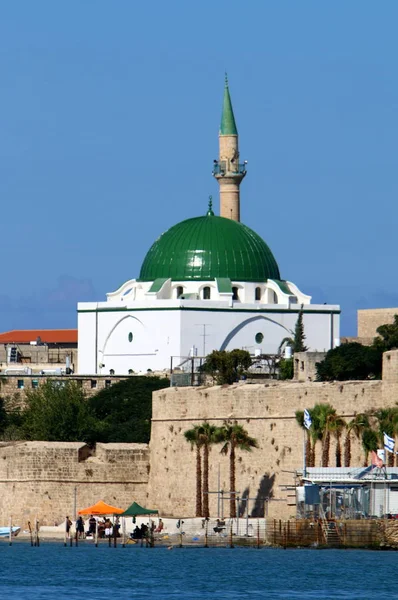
(14, 387)
(42, 479)
(49, 480)
(268, 413)
(370, 319)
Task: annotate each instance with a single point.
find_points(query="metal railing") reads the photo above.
(220, 168)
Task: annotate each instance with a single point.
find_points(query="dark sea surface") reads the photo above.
(58, 572)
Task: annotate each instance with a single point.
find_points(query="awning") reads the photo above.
(101, 508)
(135, 510)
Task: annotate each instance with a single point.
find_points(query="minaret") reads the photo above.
(227, 170)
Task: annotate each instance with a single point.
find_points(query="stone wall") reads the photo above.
(41, 479)
(21, 383)
(370, 319)
(49, 480)
(305, 365)
(267, 411)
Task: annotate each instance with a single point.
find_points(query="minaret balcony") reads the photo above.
(220, 168)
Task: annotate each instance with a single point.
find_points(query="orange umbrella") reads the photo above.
(100, 508)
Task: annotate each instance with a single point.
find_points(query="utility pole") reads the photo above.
(204, 335)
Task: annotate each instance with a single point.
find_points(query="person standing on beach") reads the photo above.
(80, 527)
(68, 525)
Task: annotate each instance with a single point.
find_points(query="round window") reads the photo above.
(259, 338)
(130, 337)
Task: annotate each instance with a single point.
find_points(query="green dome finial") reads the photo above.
(228, 125)
(210, 212)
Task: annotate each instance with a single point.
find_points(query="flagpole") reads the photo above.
(304, 454)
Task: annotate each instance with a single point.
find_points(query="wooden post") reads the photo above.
(123, 532)
(96, 533)
(231, 539)
(206, 533)
(258, 533)
(31, 535)
(37, 533)
(274, 532)
(10, 535)
(65, 534)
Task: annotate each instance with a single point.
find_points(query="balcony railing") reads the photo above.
(220, 168)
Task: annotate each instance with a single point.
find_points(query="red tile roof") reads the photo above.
(47, 336)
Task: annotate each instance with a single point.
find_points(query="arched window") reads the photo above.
(235, 295)
(257, 294)
(180, 291)
(206, 293)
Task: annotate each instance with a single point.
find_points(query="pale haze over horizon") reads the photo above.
(109, 116)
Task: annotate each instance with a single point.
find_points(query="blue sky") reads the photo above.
(109, 115)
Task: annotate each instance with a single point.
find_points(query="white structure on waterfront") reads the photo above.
(208, 283)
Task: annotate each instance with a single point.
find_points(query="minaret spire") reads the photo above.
(228, 125)
(227, 170)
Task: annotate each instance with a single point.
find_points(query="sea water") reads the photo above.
(90, 573)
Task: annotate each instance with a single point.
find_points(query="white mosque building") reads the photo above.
(208, 283)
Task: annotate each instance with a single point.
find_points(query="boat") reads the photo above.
(5, 531)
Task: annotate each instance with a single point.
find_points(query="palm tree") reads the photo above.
(193, 437)
(208, 436)
(335, 425)
(369, 443)
(308, 449)
(321, 414)
(234, 437)
(357, 425)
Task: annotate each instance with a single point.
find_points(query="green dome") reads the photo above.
(207, 247)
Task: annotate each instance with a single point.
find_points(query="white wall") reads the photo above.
(164, 328)
(229, 329)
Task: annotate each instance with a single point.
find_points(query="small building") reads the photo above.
(46, 351)
(348, 492)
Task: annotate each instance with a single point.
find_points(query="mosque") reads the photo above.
(207, 283)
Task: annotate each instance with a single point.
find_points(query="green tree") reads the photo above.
(357, 425)
(350, 361)
(193, 436)
(286, 368)
(321, 415)
(369, 443)
(208, 437)
(388, 336)
(58, 412)
(296, 342)
(227, 367)
(123, 411)
(3, 417)
(299, 336)
(336, 425)
(234, 437)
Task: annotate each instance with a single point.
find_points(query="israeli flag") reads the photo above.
(389, 442)
(307, 419)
